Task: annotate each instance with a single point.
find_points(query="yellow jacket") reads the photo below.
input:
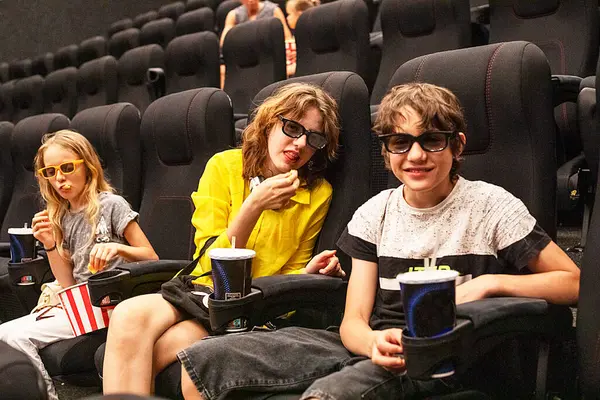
(283, 239)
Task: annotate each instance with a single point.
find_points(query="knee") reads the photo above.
(15, 338)
(131, 319)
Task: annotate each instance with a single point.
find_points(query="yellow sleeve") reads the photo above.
(322, 198)
(212, 201)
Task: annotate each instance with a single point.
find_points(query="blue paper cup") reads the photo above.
(22, 245)
(232, 278)
(429, 301)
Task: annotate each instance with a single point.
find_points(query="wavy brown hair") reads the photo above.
(292, 101)
(95, 181)
(438, 108)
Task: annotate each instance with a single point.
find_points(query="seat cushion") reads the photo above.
(73, 356)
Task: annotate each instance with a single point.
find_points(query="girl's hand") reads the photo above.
(274, 192)
(387, 350)
(42, 229)
(325, 263)
(101, 254)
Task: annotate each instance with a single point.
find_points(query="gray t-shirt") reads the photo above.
(241, 12)
(115, 214)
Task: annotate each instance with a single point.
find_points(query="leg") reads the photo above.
(279, 361)
(361, 379)
(29, 336)
(176, 338)
(135, 326)
(188, 388)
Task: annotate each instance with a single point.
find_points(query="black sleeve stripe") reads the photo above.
(357, 248)
(522, 251)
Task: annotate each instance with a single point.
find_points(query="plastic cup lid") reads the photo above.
(231, 254)
(20, 231)
(433, 276)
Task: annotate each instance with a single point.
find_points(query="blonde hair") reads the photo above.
(303, 5)
(438, 108)
(95, 181)
(291, 100)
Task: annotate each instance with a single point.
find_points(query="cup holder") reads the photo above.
(109, 288)
(30, 273)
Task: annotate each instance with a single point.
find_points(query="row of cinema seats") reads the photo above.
(507, 95)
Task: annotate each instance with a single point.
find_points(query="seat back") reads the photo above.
(506, 93)
(333, 37)
(60, 92)
(192, 61)
(114, 131)
(254, 54)
(197, 4)
(4, 72)
(19, 69)
(180, 132)
(27, 97)
(132, 67)
(97, 83)
(119, 26)
(160, 31)
(42, 64)
(172, 10)
(26, 139)
(122, 41)
(6, 104)
(350, 173)
(199, 20)
(142, 19)
(221, 14)
(6, 167)
(415, 28)
(66, 57)
(91, 49)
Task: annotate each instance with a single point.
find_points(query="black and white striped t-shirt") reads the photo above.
(478, 229)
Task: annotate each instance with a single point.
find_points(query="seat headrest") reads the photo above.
(161, 32)
(535, 8)
(27, 91)
(175, 119)
(120, 25)
(19, 69)
(173, 10)
(197, 4)
(143, 19)
(122, 41)
(66, 57)
(242, 48)
(42, 64)
(27, 136)
(199, 20)
(416, 17)
(185, 54)
(134, 63)
(93, 75)
(57, 83)
(91, 48)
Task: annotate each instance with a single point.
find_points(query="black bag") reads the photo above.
(188, 297)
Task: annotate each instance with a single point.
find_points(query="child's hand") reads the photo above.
(101, 254)
(325, 263)
(387, 350)
(42, 229)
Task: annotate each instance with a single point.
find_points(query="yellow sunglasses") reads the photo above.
(66, 168)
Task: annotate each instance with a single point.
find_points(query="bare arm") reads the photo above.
(61, 267)
(229, 23)
(277, 13)
(555, 278)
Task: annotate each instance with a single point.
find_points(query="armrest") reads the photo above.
(588, 82)
(480, 327)
(568, 183)
(156, 83)
(565, 88)
(272, 296)
(5, 249)
(30, 273)
(481, 14)
(132, 279)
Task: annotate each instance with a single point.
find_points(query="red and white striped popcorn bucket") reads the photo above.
(84, 317)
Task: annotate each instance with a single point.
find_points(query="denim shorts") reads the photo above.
(310, 362)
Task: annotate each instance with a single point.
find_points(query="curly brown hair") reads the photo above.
(292, 101)
(438, 108)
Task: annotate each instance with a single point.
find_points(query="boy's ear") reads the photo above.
(463, 141)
